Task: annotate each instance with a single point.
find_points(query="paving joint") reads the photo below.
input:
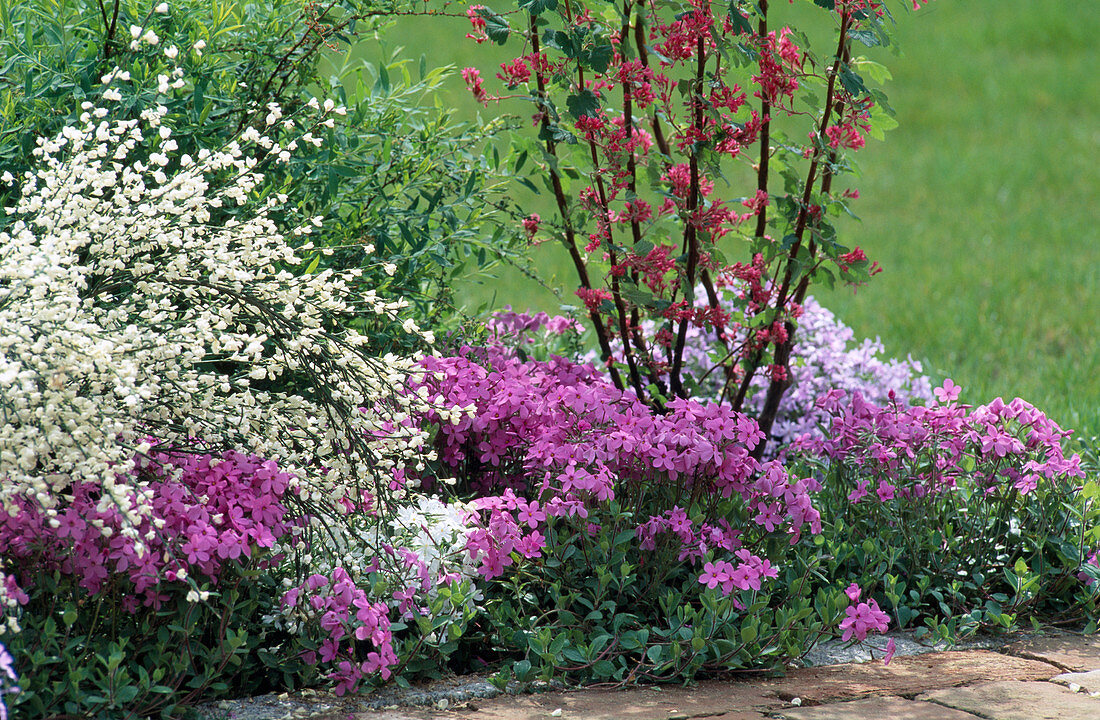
(930, 701)
(1034, 657)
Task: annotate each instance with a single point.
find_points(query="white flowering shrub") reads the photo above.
(409, 560)
(216, 68)
(137, 309)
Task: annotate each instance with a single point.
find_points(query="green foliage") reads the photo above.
(85, 656)
(597, 608)
(953, 564)
(431, 642)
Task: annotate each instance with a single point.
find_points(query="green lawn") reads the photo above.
(981, 206)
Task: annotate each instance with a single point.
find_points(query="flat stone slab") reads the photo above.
(904, 676)
(729, 700)
(1011, 700)
(878, 708)
(1087, 681)
(1077, 653)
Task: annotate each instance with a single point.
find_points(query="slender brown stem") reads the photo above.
(111, 28)
(569, 233)
(765, 133)
(635, 224)
(782, 355)
(604, 224)
(691, 235)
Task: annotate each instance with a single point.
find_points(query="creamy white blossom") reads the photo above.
(134, 310)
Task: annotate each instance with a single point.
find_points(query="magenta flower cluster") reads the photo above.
(862, 618)
(207, 511)
(554, 440)
(826, 356)
(913, 451)
(346, 615)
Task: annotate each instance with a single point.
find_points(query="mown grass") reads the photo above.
(981, 206)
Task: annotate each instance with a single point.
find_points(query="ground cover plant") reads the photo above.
(228, 431)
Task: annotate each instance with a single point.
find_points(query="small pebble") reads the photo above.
(1074, 687)
(556, 713)
(796, 701)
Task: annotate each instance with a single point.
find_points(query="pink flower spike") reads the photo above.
(890, 648)
(853, 592)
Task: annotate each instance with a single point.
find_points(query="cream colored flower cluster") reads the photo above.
(137, 308)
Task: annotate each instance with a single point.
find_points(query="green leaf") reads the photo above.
(583, 103)
(574, 655)
(382, 84)
(556, 133)
(127, 693)
(876, 71)
(560, 41)
(598, 57)
(496, 27)
(636, 295)
(852, 82)
(880, 124)
(537, 7)
(866, 37)
(740, 23)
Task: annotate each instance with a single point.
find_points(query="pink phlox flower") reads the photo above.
(748, 432)
(330, 649)
(715, 573)
(862, 619)
(347, 677)
(891, 646)
(679, 522)
(999, 442)
(531, 545)
(948, 393)
(769, 515)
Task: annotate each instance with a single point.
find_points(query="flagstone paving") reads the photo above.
(877, 708)
(1070, 652)
(1087, 681)
(1056, 677)
(1013, 700)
